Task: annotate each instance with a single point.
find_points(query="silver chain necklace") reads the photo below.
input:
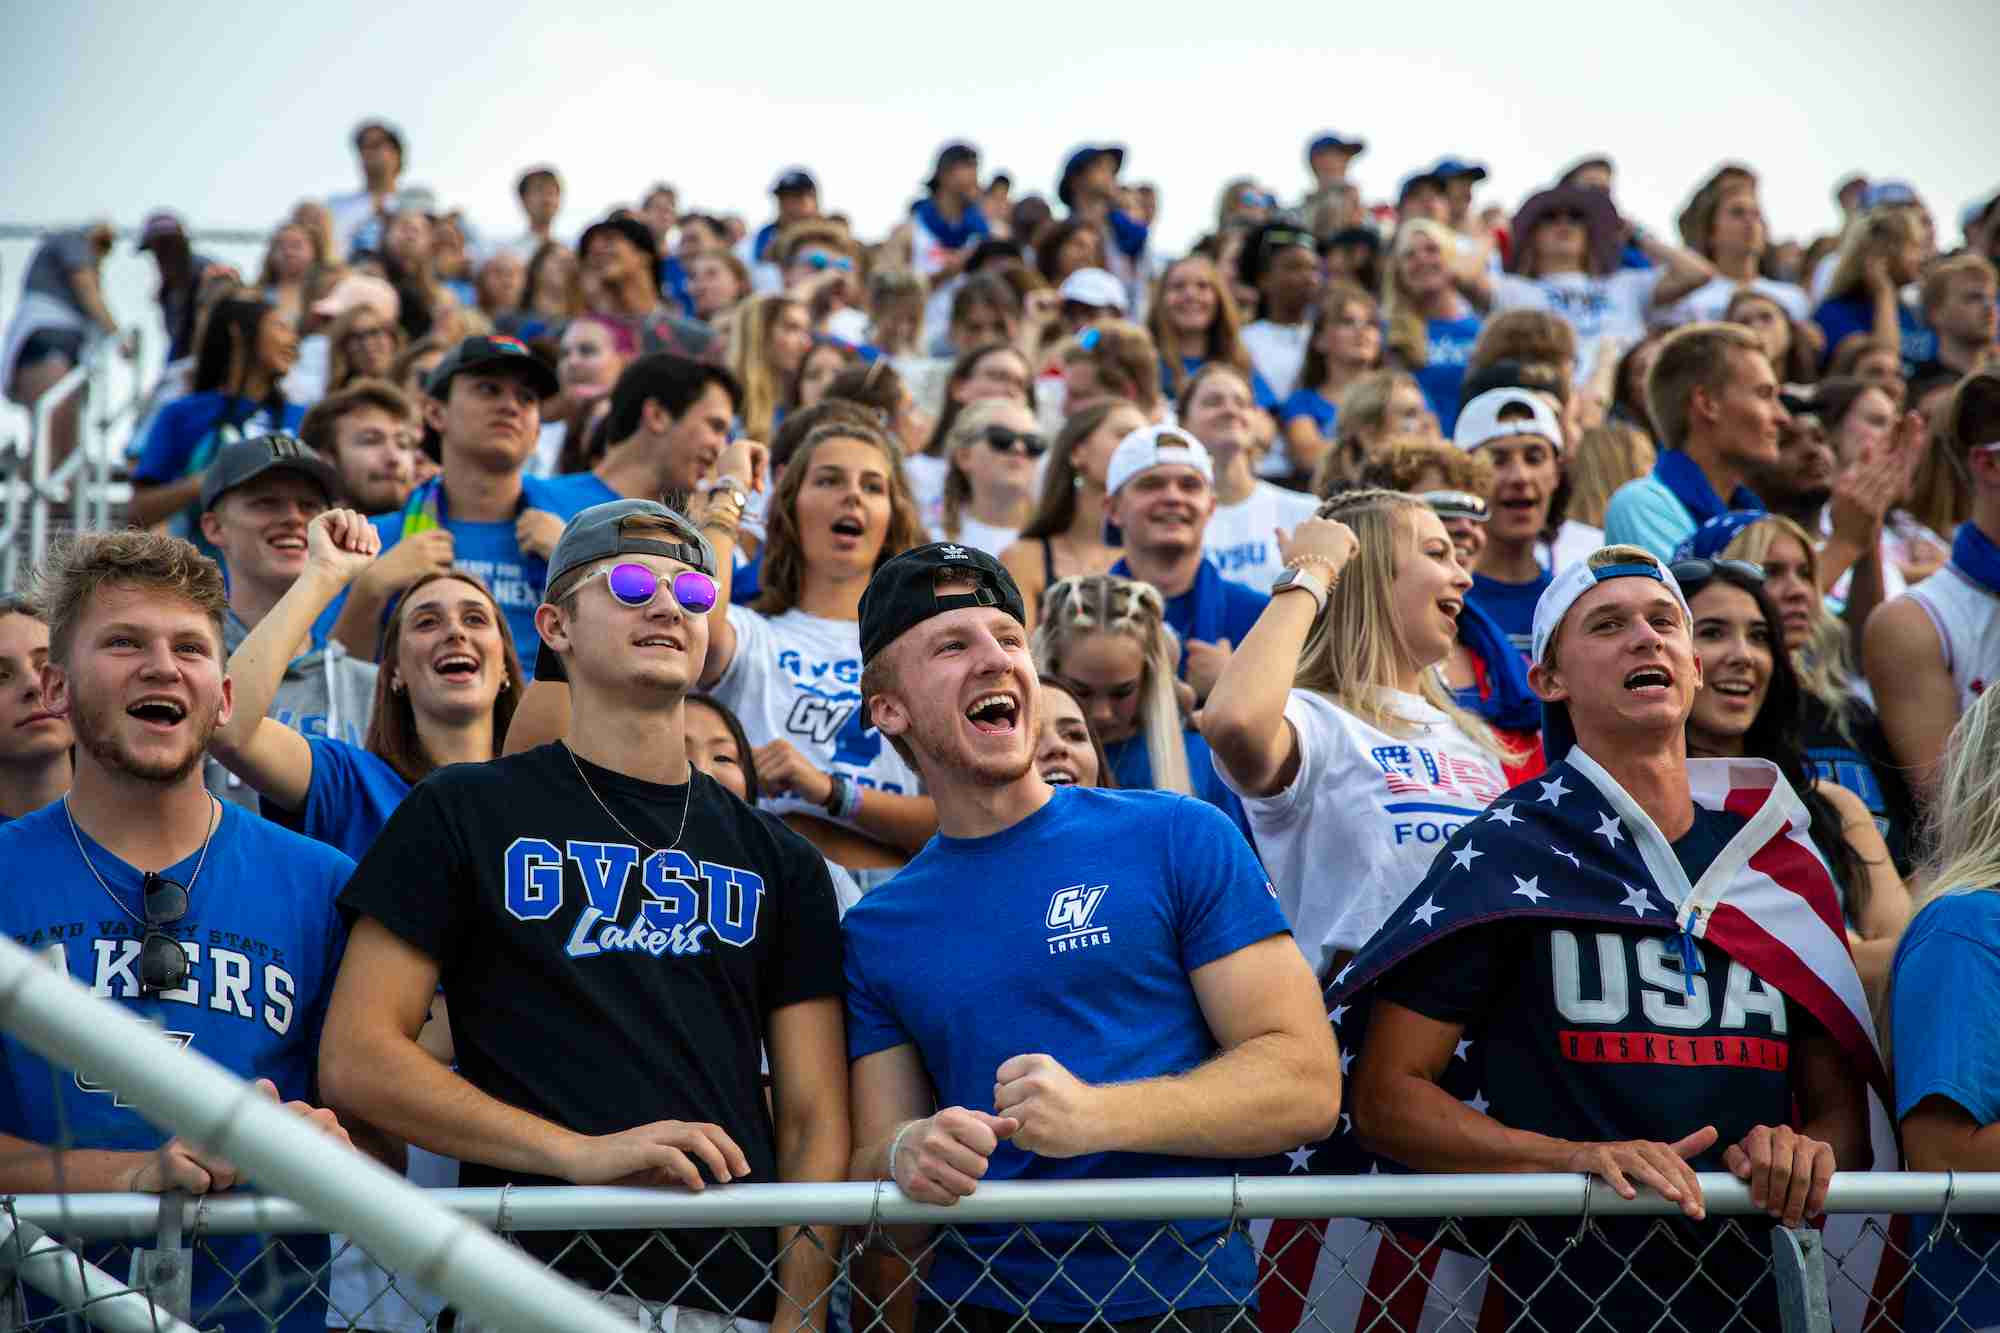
(214, 817)
(686, 801)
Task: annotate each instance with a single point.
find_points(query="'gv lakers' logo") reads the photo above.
(1072, 912)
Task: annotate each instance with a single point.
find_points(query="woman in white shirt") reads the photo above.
(1565, 259)
(991, 456)
(789, 666)
(1216, 408)
(1334, 725)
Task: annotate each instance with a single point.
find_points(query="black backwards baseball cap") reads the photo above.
(244, 461)
(495, 351)
(598, 533)
(903, 594)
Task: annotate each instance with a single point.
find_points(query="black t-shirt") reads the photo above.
(601, 990)
(1865, 766)
(1586, 1031)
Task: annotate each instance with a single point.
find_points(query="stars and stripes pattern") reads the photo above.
(1556, 848)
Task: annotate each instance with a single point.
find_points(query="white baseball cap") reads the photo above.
(1479, 421)
(1575, 580)
(1156, 446)
(1095, 288)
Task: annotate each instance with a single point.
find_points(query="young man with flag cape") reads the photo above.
(1635, 963)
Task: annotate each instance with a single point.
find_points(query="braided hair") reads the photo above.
(1105, 603)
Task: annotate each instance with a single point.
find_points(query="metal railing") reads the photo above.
(1390, 1254)
(38, 493)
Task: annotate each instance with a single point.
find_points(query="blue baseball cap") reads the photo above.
(795, 180)
(1450, 168)
(1884, 194)
(1413, 180)
(1329, 140)
(1080, 159)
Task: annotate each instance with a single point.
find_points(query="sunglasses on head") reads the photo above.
(163, 964)
(1004, 441)
(636, 585)
(1701, 571)
(824, 262)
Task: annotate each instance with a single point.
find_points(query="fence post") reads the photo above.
(166, 1271)
(62, 1274)
(1798, 1264)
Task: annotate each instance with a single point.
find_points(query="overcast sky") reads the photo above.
(230, 112)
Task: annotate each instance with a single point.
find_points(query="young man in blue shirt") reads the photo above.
(181, 908)
(1156, 1014)
(1714, 400)
(479, 513)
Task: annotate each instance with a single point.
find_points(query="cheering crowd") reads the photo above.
(1392, 688)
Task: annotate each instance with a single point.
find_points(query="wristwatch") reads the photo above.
(729, 487)
(836, 794)
(1302, 578)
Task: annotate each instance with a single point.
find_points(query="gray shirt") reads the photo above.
(325, 692)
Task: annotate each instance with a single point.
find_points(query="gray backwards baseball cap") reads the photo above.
(244, 461)
(598, 533)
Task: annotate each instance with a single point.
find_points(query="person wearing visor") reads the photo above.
(1280, 262)
(1517, 431)
(1636, 999)
(575, 882)
(1157, 1015)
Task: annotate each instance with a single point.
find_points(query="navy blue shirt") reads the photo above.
(1512, 605)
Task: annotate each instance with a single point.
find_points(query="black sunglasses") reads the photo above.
(1004, 441)
(1700, 571)
(163, 964)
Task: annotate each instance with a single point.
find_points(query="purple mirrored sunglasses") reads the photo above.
(636, 585)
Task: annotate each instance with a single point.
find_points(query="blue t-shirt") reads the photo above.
(1645, 513)
(490, 550)
(1848, 315)
(352, 794)
(1512, 606)
(1086, 918)
(168, 452)
(1447, 345)
(1952, 949)
(1133, 768)
(1310, 403)
(263, 940)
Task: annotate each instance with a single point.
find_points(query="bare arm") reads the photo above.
(156, 501)
(90, 295)
(371, 1067)
(1835, 1103)
(1904, 660)
(261, 750)
(543, 716)
(1244, 720)
(808, 1049)
(1685, 272)
(1940, 1135)
(1023, 559)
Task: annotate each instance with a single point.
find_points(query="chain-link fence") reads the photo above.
(1380, 1254)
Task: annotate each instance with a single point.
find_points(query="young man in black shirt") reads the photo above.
(620, 939)
(1627, 994)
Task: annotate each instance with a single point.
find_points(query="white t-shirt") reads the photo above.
(1710, 301)
(1239, 537)
(1574, 541)
(797, 678)
(979, 536)
(1615, 306)
(1278, 352)
(926, 473)
(1364, 816)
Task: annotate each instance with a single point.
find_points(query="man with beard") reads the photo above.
(183, 909)
(257, 498)
(368, 432)
(34, 741)
(1157, 1014)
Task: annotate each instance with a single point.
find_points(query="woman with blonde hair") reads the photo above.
(1333, 723)
(1944, 1002)
(362, 343)
(1380, 404)
(1346, 344)
(1065, 536)
(1432, 327)
(767, 343)
(1839, 732)
(1107, 637)
(1605, 458)
(991, 456)
(1882, 252)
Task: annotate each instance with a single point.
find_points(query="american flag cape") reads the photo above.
(1569, 845)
